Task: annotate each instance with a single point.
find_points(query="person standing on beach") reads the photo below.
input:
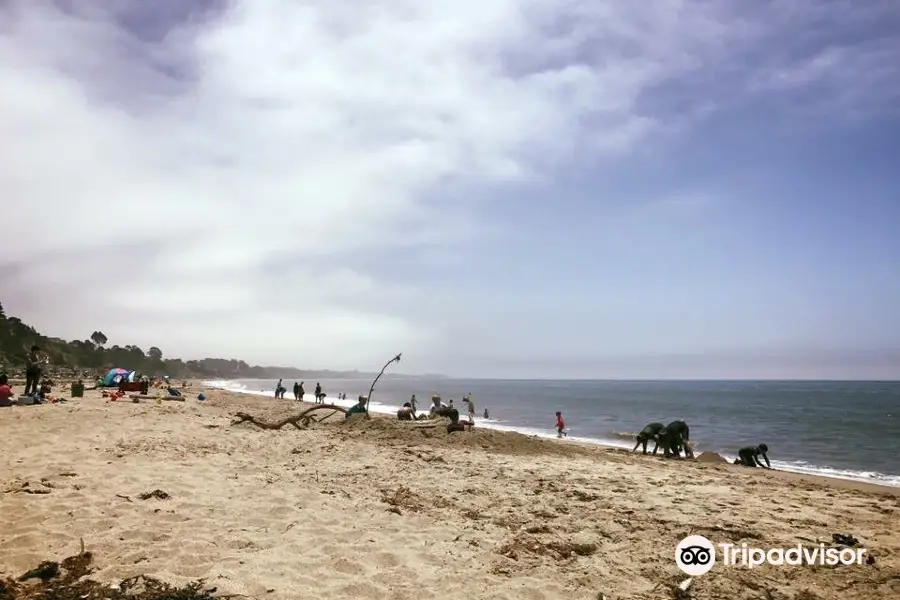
(470, 405)
(560, 425)
(319, 393)
(278, 389)
(414, 404)
(296, 391)
(33, 371)
(301, 392)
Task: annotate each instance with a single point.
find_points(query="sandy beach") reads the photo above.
(373, 509)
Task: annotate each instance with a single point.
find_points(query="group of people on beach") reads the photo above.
(675, 438)
(300, 392)
(410, 410)
(37, 387)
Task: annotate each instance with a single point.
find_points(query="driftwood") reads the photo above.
(396, 359)
(149, 397)
(300, 421)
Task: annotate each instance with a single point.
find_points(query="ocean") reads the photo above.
(849, 430)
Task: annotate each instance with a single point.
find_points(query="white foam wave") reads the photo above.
(499, 425)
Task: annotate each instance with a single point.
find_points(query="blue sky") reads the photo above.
(495, 188)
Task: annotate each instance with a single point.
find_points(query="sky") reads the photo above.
(494, 188)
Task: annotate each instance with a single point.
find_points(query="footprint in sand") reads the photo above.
(386, 559)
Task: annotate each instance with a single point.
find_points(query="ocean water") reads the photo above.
(849, 430)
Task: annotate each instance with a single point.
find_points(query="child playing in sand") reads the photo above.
(454, 424)
(560, 425)
(6, 393)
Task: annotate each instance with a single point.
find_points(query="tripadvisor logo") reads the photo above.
(695, 555)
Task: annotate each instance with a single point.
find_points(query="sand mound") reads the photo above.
(389, 431)
(711, 457)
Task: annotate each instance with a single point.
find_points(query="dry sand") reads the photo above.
(375, 510)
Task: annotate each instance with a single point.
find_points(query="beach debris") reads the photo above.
(683, 589)
(525, 546)
(300, 420)
(123, 497)
(157, 494)
(25, 487)
(44, 571)
(402, 497)
(67, 580)
(583, 496)
(844, 540)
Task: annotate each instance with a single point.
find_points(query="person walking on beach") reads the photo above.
(33, 371)
(560, 425)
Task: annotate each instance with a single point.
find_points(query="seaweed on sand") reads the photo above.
(67, 580)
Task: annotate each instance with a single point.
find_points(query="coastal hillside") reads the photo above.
(95, 352)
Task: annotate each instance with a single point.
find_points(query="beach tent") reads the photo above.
(116, 375)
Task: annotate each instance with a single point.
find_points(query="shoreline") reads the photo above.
(493, 425)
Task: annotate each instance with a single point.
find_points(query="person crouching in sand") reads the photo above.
(560, 425)
(649, 432)
(406, 412)
(454, 424)
(359, 408)
(7, 398)
(438, 408)
(674, 438)
(749, 456)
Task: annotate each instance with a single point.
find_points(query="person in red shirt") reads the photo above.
(6, 393)
(560, 425)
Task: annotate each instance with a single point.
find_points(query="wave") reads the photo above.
(615, 439)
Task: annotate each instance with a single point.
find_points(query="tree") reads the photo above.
(98, 338)
(155, 353)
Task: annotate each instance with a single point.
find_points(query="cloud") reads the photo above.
(204, 175)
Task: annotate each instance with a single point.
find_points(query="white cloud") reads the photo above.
(306, 130)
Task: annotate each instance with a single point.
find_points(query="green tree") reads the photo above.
(155, 354)
(99, 339)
